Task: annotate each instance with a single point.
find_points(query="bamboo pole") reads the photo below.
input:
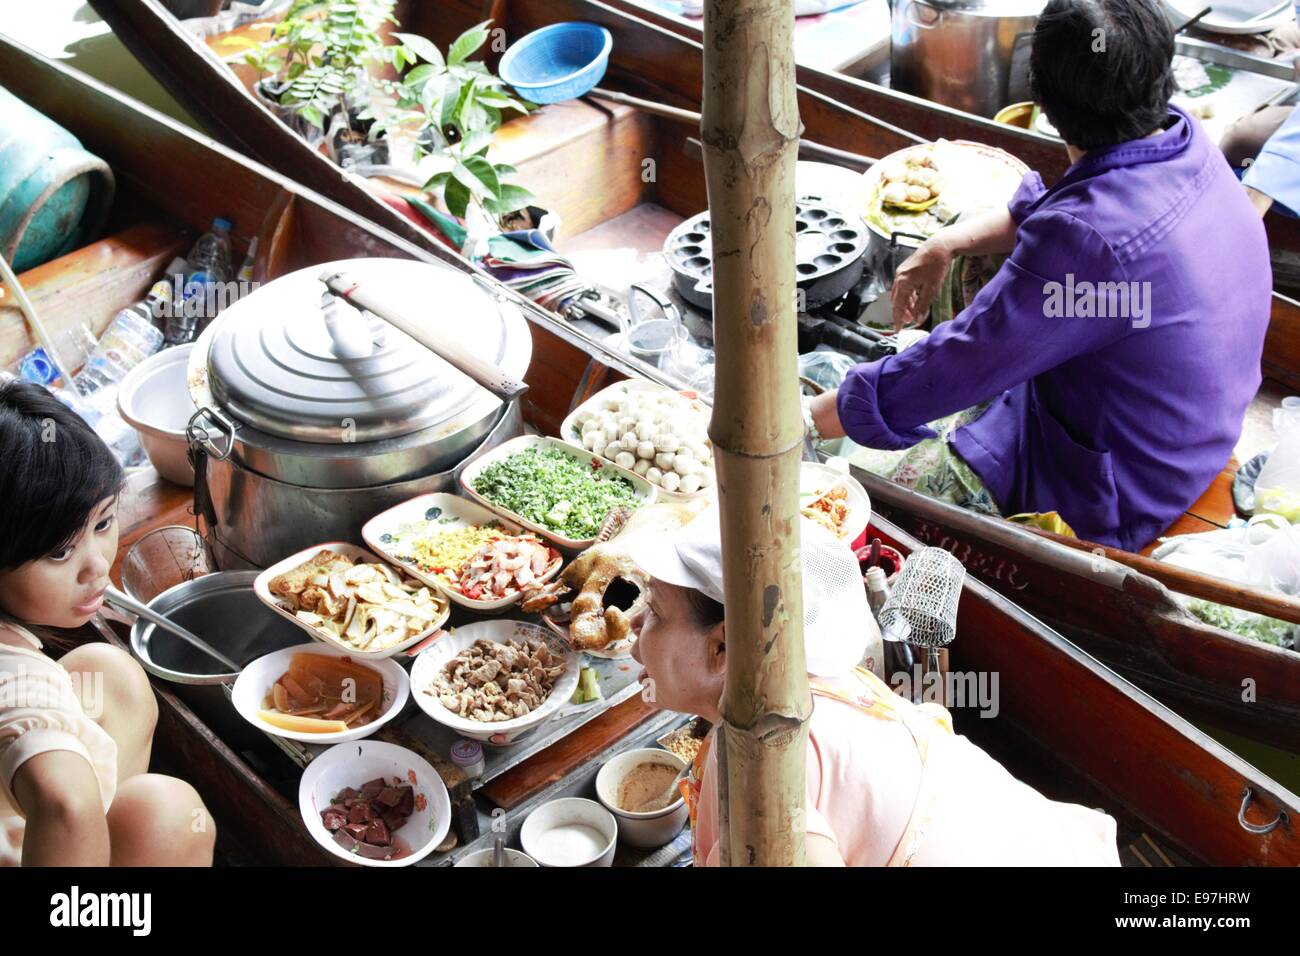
(750, 129)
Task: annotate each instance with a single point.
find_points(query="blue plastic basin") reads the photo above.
(557, 63)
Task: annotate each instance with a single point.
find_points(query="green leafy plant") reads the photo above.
(456, 105)
(321, 53)
(323, 50)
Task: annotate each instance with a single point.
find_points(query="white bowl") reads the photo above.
(555, 833)
(641, 829)
(255, 682)
(431, 660)
(154, 399)
(816, 478)
(262, 588)
(514, 858)
(351, 765)
(452, 512)
(645, 492)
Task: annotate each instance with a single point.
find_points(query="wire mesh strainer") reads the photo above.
(922, 607)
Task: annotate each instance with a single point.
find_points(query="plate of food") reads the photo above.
(834, 499)
(653, 431)
(478, 559)
(911, 181)
(494, 680)
(957, 177)
(553, 488)
(318, 694)
(374, 803)
(348, 598)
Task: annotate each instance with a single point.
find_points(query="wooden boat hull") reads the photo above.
(1099, 740)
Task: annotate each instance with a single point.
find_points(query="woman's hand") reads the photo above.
(917, 282)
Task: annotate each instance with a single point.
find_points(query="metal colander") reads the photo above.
(922, 607)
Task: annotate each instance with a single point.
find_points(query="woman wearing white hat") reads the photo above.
(888, 783)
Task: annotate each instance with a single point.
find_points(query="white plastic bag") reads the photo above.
(1272, 548)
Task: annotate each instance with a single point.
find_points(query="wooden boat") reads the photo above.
(1199, 669)
(1065, 723)
(931, 120)
(654, 55)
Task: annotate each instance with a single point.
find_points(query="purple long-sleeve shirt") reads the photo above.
(1115, 405)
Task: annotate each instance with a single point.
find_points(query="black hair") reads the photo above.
(54, 472)
(705, 611)
(1102, 70)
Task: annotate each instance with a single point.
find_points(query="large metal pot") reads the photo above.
(313, 417)
(961, 53)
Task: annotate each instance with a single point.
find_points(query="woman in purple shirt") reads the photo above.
(1119, 344)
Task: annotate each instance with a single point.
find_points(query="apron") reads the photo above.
(871, 696)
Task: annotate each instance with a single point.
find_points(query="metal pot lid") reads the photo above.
(279, 363)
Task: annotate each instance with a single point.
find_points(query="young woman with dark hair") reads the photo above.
(76, 734)
(1103, 373)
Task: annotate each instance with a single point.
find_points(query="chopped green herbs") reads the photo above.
(555, 491)
(1267, 630)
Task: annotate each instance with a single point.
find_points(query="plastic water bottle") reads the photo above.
(162, 294)
(211, 253)
(74, 343)
(245, 273)
(100, 413)
(1277, 489)
(37, 367)
(128, 341)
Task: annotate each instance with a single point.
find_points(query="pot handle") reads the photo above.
(198, 433)
(371, 299)
(931, 15)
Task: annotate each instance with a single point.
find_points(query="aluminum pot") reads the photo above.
(961, 53)
(252, 521)
(314, 415)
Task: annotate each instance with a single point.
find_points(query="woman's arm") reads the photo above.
(993, 232)
(66, 826)
(1016, 328)
(821, 851)
(918, 279)
(1275, 173)
(1262, 202)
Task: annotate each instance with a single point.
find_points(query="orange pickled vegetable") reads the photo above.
(305, 725)
(338, 688)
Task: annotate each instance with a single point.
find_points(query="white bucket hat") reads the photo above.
(837, 620)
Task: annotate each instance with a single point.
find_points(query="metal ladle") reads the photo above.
(126, 603)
